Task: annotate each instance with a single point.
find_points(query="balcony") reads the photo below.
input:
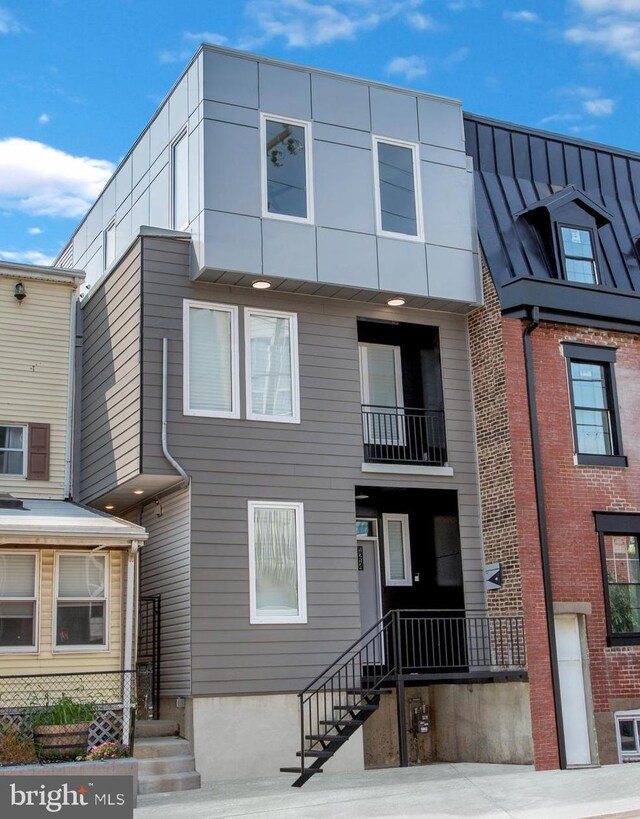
(402, 435)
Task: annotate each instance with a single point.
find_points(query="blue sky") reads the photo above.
(80, 78)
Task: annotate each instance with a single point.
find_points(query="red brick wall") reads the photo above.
(572, 494)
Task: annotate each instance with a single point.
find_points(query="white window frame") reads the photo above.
(363, 346)
(111, 227)
(172, 214)
(72, 649)
(295, 376)
(308, 140)
(622, 716)
(406, 549)
(415, 153)
(25, 451)
(254, 617)
(35, 648)
(232, 309)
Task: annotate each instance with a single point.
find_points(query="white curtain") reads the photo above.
(210, 366)
(270, 365)
(81, 576)
(17, 575)
(276, 561)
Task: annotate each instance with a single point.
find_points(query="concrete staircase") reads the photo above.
(165, 761)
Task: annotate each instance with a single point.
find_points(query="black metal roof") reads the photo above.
(518, 171)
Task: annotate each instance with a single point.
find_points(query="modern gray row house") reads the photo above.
(276, 383)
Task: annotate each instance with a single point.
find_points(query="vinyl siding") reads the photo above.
(34, 373)
(110, 419)
(165, 570)
(48, 661)
(317, 462)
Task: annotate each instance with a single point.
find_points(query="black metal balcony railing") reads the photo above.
(403, 435)
(112, 693)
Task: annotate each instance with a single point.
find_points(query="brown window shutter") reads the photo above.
(38, 456)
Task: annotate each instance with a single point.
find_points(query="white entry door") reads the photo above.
(575, 719)
(381, 394)
(369, 582)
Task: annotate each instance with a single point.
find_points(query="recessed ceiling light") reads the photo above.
(138, 491)
(109, 506)
(397, 301)
(261, 284)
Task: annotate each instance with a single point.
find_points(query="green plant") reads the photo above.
(106, 750)
(621, 611)
(64, 711)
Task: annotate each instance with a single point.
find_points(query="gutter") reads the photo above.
(165, 447)
(542, 528)
(68, 444)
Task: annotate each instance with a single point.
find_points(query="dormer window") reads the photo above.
(578, 255)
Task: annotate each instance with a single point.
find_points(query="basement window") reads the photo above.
(628, 735)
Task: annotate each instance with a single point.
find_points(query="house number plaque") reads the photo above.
(360, 558)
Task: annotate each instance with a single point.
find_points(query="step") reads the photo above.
(166, 765)
(154, 747)
(309, 771)
(317, 754)
(156, 728)
(327, 737)
(342, 722)
(165, 783)
(359, 707)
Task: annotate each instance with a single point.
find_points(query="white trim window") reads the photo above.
(13, 450)
(628, 735)
(110, 244)
(398, 194)
(18, 602)
(271, 349)
(286, 168)
(180, 182)
(397, 550)
(210, 365)
(381, 394)
(81, 587)
(277, 576)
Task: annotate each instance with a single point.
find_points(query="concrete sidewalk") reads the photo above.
(440, 791)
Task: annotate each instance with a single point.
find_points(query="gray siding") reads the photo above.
(219, 99)
(110, 415)
(317, 462)
(165, 570)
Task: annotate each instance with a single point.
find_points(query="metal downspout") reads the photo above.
(542, 528)
(165, 449)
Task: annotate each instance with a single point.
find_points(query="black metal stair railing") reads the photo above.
(404, 435)
(409, 644)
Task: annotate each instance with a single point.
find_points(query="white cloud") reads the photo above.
(35, 231)
(206, 37)
(421, 22)
(602, 107)
(302, 23)
(38, 179)
(26, 256)
(558, 118)
(8, 23)
(43, 119)
(610, 26)
(463, 5)
(456, 57)
(409, 67)
(523, 16)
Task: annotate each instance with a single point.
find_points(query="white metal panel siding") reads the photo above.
(34, 372)
(317, 462)
(110, 416)
(165, 570)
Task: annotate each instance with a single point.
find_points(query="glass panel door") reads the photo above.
(381, 394)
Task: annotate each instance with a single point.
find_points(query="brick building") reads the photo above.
(556, 361)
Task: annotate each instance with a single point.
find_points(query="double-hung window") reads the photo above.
(180, 182)
(277, 582)
(578, 255)
(18, 598)
(81, 601)
(622, 568)
(594, 407)
(286, 168)
(13, 451)
(211, 360)
(271, 350)
(397, 550)
(397, 189)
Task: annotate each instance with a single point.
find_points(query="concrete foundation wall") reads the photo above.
(253, 736)
(483, 723)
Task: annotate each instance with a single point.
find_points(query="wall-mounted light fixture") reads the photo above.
(19, 292)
